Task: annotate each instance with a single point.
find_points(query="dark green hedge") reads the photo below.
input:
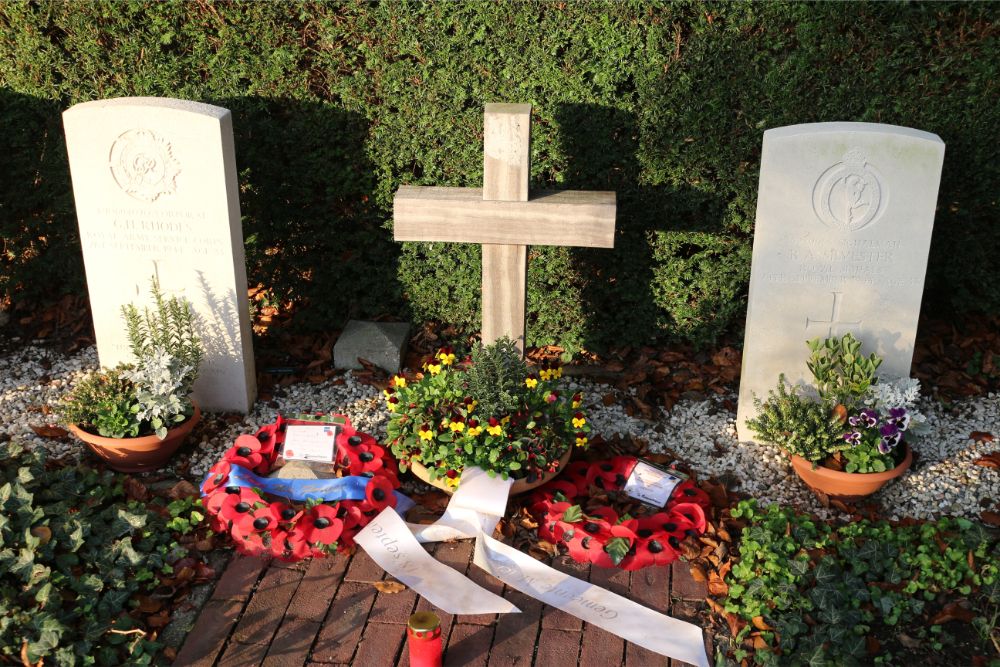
(337, 104)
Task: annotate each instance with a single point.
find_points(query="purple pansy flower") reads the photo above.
(854, 421)
(853, 437)
(899, 418)
(891, 436)
(869, 417)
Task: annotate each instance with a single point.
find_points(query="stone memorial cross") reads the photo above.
(156, 193)
(504, 219)
(844, 219)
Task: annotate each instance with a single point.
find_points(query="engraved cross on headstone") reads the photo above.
(834, 321)
(504, 219)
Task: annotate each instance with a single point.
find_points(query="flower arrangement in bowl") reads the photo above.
(135, 416)
(489, 411)
(847, 437)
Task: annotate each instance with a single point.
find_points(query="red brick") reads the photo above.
(267, 606)
(239, 578)
(455, 554)
(363, 568)
(242, 655)
(600, 648)
(291, 644)
(556, 618)
(637, 656)
(613, 579)
(344, 622)
(381, 645)
(393, 607)
(558, 648)
(490, 583)
(515, 634)
(209, 635)
(683, 584)
(319, 585)
(469, 645)
(650, 586)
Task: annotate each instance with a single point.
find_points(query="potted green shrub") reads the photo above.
(846, 437)
(135, 416)
(491, 411)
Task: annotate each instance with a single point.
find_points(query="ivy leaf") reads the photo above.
(617, 548)
(573, 514)
(514, 465)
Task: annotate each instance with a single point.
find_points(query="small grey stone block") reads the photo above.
(381, 343)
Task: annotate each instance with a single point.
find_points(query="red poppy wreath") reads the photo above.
(603, 537)
(240, 503)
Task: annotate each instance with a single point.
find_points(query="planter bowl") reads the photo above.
(141, 454)
(847, 486)
(519, 486)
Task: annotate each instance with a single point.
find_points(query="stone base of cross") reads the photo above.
(504, 219)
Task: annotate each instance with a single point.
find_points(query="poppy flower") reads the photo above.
(216, 478)
(378, 492)
(652, 545)
(547, 493)
(346, 540)
(256, 521)
(588, 540)
(283, 513)
(692, 513)
(576, 474)
(687, 492)
(350, 513)
(386, 473)
(611, 474)
(213, 501)
(675, 527)
(249, 544)
(236, 504)
(288, 546)
(365, 458)
(245, 452)
(324, 524)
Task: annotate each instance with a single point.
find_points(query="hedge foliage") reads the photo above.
(337, 104)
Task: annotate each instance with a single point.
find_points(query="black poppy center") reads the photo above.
(242, 508)
(591, 527)
(620, 480)
(607, 467)
(354, 440)
(644, 532)
(690, 532)
(670, 526)
(690, 492)
(219, 478)
(233, 489)
(263, 437)
(586, 543)
(244, 451)
(366, 457)
(378, 494)
(655, 547)
(674, 542)
(287, 514)
(368, 473)
(322, 522)
(260, 523)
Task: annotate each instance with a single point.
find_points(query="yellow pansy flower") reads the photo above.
(531, 383)
(433, 369)
(580, 442)
(475, 430)
(578, 422)
(426, 434)
(457, 427)
(495, 430)
(447, 358)
(452, 482)
(399, 381)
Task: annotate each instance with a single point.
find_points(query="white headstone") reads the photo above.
(157, 195)
(844, 219)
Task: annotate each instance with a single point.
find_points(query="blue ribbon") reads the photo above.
(327, 490)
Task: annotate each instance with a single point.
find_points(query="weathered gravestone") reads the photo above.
(156, 195)
(844, 219)
(503, 218)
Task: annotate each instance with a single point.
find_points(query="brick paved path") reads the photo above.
(327, 612)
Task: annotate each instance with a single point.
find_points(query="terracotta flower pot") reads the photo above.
(847, 486)
(519, 486)
(138, 454)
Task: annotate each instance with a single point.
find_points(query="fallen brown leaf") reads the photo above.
(135, 490)
(158, 620)
(717, 588)
(981, 436)
(43, 533)
(50, 431)
(992, 518)
(148, 605)
(760, 623)
(390, 586)
(697, 573)
(183, 489)
(759, 643)
(953, 611)
(873, 645)
(989, 461)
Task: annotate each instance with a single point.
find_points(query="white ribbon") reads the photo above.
(473, 512)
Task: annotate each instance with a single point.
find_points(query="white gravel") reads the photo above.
(944, 481)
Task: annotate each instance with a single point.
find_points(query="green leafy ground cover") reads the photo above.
(84, 569)
(336, 104)
(805, 592)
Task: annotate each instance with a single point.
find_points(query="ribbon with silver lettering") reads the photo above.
(473, 512)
